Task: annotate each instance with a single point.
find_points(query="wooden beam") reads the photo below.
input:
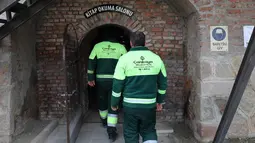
(18, 8)
(3, 21)
(23, 17)
(8, 15)
(6, 4)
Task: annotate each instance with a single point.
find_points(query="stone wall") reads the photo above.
(193, 66)
(164, 30)
(5, 89)
(24, 99)
(216, 71)
(17, 82)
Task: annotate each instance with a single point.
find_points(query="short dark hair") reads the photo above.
(137, 38)
(108, 37)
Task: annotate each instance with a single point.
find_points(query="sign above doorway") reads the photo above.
(108, 8)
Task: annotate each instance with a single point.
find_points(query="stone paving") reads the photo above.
(94, 133)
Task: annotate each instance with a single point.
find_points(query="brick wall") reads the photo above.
(163, 27)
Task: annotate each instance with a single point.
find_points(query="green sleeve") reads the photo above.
(92, 64)
(162, 83)
(118, 82)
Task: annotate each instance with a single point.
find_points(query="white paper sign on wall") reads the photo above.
(219, 38)
(247, 32)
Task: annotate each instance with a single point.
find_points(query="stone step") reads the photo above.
(95, 133)
(32, 129)
(164, 129)
(43, 135)
(59, 135)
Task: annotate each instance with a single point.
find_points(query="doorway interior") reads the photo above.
(94, 36)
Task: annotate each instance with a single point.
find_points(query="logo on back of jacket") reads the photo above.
(143, 64)
(109, 50)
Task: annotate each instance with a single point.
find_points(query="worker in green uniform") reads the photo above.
(141, 78)
(101, 65)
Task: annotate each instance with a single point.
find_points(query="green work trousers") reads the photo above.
(104, 93)
(139, 122)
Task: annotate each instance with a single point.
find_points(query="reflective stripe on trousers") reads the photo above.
(103, 114)
(104, 76)
(112, 120)
(151, 141)
(90, 72)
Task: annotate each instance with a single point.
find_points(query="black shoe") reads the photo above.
(112, 133)
(113, 136)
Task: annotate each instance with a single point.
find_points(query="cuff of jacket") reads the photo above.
(160, 98)
(91, 77)
(114, 101)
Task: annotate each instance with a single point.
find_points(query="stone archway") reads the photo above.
(191, 44)
(163, 22)
(85, 25)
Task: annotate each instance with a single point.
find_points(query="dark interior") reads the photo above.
(121, 34)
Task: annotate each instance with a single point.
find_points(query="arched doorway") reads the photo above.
(94, 36)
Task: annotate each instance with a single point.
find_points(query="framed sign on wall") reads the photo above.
(247, 31)
(219, 38)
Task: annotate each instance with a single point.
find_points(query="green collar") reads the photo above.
(139, 48)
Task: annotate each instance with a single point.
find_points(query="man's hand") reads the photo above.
(115, 108)
(91, 83)
(159, 107)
